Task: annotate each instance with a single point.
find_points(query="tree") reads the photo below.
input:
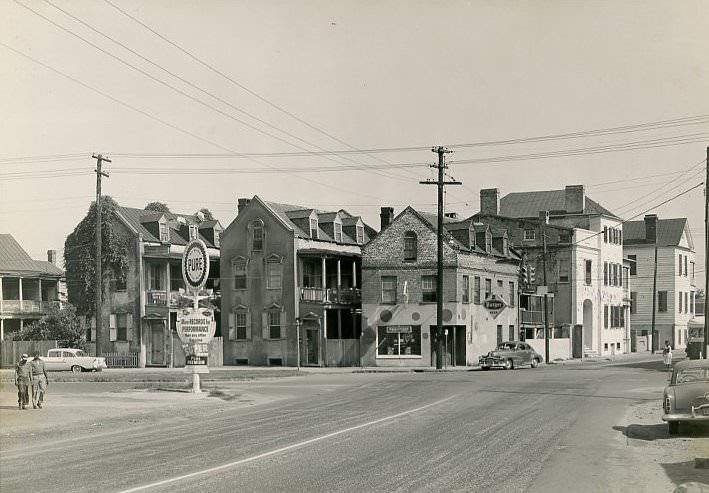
(61, 324)
(157, 207)
(80, 257)
(208, 216)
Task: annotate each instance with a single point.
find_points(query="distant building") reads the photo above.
(675, 303)
(292, 270)
(28, 288)
(584, 261)
(399, 289)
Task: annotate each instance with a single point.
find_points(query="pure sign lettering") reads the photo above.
(195, 265)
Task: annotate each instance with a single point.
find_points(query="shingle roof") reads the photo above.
(529, 204)
(14, 259)
(669, 231)
(138, 218)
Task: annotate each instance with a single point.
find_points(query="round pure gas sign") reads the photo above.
(195, 265)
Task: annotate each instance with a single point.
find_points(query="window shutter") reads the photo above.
(284, 323)
(129, 327)
(232, 327)
(93, 329)
(264, 325)
(248, 325)
(112, 333)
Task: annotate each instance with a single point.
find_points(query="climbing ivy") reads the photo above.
(80, 257)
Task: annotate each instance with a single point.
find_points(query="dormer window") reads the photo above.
(410, 246)
(193, 231)
(314, 229)
(164, 237)
(360, 234)
(338, 232)
(217, 238)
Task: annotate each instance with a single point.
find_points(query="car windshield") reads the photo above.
(692, 375)
(80, 353)
(507, 346)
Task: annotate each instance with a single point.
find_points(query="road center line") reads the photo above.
(282, 449)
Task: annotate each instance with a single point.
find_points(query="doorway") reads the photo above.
(156, 340)
(312, 347)
(588, 324)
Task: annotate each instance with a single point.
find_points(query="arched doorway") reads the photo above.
(588, 324)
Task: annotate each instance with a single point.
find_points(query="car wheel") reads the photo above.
(509, 365)
(76, 369)
(673, 427)
(535, 363)
(484, 368)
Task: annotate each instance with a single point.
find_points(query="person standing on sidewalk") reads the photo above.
(39, 381)
(23, 380)
(667, 355)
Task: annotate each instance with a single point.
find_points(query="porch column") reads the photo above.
(19, 280)
(41, 308)
(354, 273)
(339, 274)
(324, 337)
(324, 279)
(1, 307)
(339, 324)
(2, 329)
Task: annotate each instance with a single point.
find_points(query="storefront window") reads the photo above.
(399, 340)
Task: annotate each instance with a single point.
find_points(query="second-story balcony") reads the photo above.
(341, 296)
(530, 317)
(26, 306)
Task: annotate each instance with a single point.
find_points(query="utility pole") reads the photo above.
(99, 278)
(440, 183)
(654, 298)
(706, 260)
(546, 286)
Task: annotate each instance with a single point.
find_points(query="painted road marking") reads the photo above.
(283, 449)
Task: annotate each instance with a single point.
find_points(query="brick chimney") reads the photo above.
(386, 216)
(544, 217)
(489, 201)
(52, 256)
(574, 199)
(651, 228)
(242, 203)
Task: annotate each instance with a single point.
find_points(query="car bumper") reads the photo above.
(699, 413)
(492, 363)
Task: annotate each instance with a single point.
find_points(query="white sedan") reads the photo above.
(75, 360)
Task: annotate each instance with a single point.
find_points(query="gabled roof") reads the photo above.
(14, 259)
(529, 204)
(138, 218)
(669, 231)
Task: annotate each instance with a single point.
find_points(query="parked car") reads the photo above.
(75, 360)
(509, 355)
(686, 398)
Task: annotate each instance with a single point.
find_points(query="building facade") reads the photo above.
(399, 305)
(291, 292)
(28, 288)
(675, 284)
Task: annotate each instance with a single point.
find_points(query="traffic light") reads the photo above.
(532, 275)
(523, 275)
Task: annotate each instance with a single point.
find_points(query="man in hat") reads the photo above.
(23, 380)
(39, 380)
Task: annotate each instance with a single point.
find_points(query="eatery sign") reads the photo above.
(195, 265)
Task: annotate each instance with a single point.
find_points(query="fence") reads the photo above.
(10, 351)
(121, 360)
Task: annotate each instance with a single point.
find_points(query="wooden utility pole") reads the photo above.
(441, 151)
(653, 341)
(99, 278)
(705, 349)
(546, 286)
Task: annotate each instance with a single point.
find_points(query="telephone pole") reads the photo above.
(544, 222)
(440, 183)
(705, 349)
(99, 278)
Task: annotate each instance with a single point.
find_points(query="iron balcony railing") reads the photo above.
(342, 296)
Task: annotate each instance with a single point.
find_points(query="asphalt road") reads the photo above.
(547, 429)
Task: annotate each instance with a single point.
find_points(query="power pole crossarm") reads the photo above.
(99, 277)
(441, 166)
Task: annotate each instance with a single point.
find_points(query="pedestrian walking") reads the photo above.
(39, 381)
(23, 380)
(667, 355)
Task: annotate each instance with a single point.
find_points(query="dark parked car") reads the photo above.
(686, 398)
(509, 355)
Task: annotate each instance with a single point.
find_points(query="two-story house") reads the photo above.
(399, 290)
(27, 287)
(583, 257)
(291, 290)
(139, 313)
(661, 250)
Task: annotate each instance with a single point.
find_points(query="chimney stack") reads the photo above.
(52, 257)
(489, 201)
(386, 216)
(651, 228)
(242, 203)
(544, 217)
(575, 199)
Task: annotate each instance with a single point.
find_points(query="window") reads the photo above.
(217, 238)
(686, 302)
(164, 237)
(338, 232)
(633, 302)
(565, 238)
(359, 231)
(499, 334)
(389, 289)
(240, 325)
(691, 300)
(476, 290)
(257, 236)
(314, 228)
(662, 301)
(193, 231)
(615, 275)
(118, 284)
(399, 340)
(633, 264)
(563, 271)
(605, 234)
(466, 290)
(428, 289)
(605, 316)
(121, 327)
(156, 277)
(273, 275)
(499, 285)
(512, 333)
(240, 275)
(274, 325)
(685, 265)
(530, 234)
(512, 294)
(680, 302)
(410, 246)
(680, 264)
(488, 288)
(605, 274)
(588, 272)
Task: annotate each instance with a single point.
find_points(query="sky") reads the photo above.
(336, 104)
